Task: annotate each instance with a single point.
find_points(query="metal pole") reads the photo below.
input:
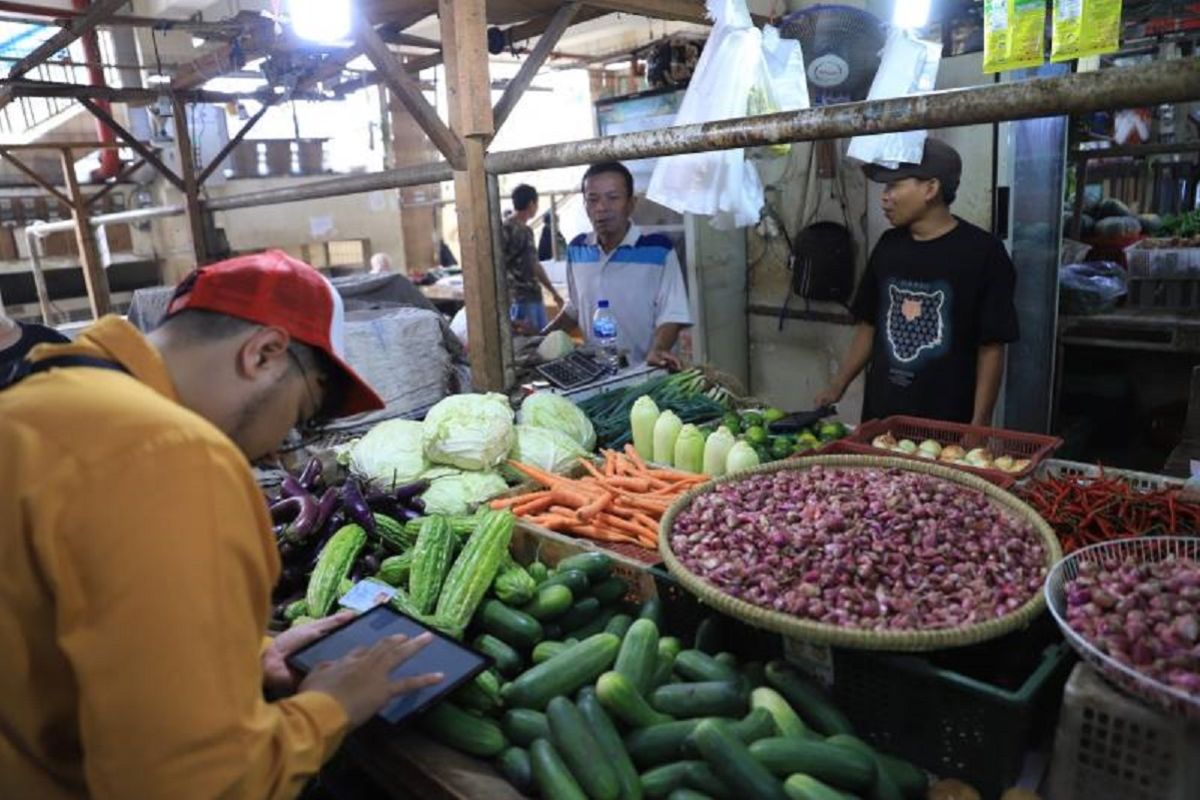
(39, 278)
(1165, 82)
(1153, 84)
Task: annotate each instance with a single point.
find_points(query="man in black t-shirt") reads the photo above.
(18, 338)
(935, 306)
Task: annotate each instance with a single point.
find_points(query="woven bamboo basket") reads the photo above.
(823, 633)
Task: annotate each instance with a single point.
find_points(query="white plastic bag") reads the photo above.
(785, 67)
(721, 184)
(907, 65)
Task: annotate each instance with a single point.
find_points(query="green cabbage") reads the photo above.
(548, 410)
(689, 449)
(716, 450)
(459, 495)
(666, 431)
(391, 453)
(642, 419)
(740, 457)
(546, 449)
(469, 431)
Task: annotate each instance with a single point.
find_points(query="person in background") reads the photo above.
(524, 271)
(18, 338)
(381, 264)
(935, 307)
(140, 559)
(637, 273)
(551, 235)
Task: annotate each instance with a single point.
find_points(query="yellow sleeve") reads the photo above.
(163, 578)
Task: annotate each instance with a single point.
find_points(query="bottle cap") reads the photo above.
(602, 304)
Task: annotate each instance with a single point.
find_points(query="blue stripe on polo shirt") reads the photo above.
(640, 255)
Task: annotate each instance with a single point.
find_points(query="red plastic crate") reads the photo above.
(999, 441)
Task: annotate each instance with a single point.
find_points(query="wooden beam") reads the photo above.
(131, 140)
(232, 143)
(463, 33)
(406, 89)
(516, 88)
(96, 13)
(94, 276)
(33, 176)
(191, 187)
(678, 10)
(116, 180)
(74, 91)
(412, 66)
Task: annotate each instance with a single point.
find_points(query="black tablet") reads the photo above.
(458, 663)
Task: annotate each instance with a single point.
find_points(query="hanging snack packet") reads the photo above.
(1013, 34)
(1085, 28)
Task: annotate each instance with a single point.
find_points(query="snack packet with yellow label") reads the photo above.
(1085, 28)
(1013, 34)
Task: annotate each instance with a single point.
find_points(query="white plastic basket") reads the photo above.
(1142, 481)
(1144, 550)
(1112, 747)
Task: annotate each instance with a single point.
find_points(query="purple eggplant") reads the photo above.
(417, 504)
(382, 503)
(356, 507)
(311, 474)
(300, 513)
(291, 487)
(326, 506)
(406, 493)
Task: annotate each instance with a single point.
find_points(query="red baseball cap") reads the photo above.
(272, 288)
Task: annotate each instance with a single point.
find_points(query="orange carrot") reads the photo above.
(535, 505)
(633, 484)
(543, 477)
(595, 507)
(610, 464)
(591, 468)
(515, 500)
(569, 497)
(632, 453)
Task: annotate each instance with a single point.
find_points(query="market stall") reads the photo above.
(866, 616)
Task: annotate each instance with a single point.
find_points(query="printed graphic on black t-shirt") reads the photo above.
(933, 304)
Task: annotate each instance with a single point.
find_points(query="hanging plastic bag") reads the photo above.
(1093, 287)
(1085, 28)
(1013, 34)
(908, 65)
(720, 184)
(782, 85)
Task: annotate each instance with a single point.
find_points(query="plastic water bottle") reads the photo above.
(604, 332)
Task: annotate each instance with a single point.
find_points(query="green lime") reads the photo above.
(773, 415)
(751, 419)
(808, 438)
(802, 446)
(829, 431)
(756, 435)
(764, 455)
(732, 422)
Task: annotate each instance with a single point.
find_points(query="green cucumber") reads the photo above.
(538, 571)
(786, 719)
(610, 590)
(580, 614)
(710, 635)
(707, 699)
(574, 579)
(622, 700)
(516, 768)
(884, 787)
(546, 650)
(697, 666)
(726, 658)
(755, 673)
(509, 625)
(841, 766)
(807, 700)
(549, 603)
(910, 779)
(619, 625)
(689, 794)
(660, 744)
(467, 733)
(733, 764)
(481, 694)
(611, 747)
(573, 740)
(507, 660)
(750, 728)
(669, 644)
(700, 777)
(638, 656)
(564, 673)
(597, 566)
(805, 787)
(652, 610)
(551, 775)
(522, 726)
(664, 671)
(599, 624)
(661, 781)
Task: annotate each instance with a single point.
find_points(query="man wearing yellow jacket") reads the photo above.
(139, 557)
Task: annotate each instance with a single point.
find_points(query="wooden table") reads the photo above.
(408, 766)
(448, 299)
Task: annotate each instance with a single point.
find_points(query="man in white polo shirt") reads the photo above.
(638, 274)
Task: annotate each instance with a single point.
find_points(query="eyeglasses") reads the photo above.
(315, 424)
